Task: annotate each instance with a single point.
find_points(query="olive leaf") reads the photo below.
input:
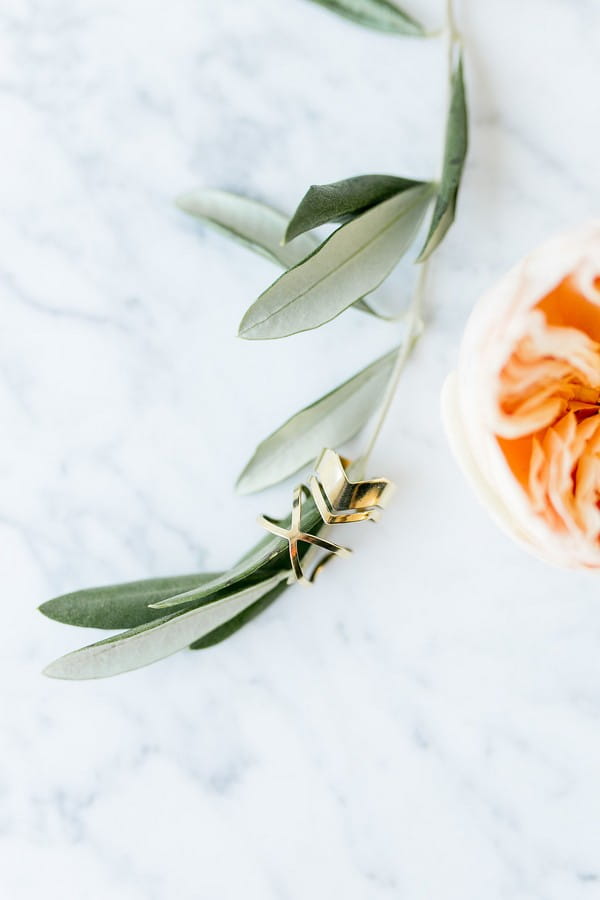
(268, 556)
(382, 15)
(155, 640)
(342, 199)
(455, 151)
(236, 622)
(352, 262)
(254, 224)
(328, 422)
(257, 226)
(367, 308)
(119, 605)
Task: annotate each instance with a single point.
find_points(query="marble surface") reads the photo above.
(425, 723)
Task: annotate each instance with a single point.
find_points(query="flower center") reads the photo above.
(548, 422)
(586, 395)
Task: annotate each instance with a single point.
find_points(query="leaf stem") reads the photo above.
(453, 38)
(414, 327)
(414, 322)
(451, 22)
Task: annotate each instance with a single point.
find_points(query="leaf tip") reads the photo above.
(54, 610)
(241, 327)
(242, 485)
(291, 232)
(182, 202)
(56, 669)
(425, 253)
(245, 330)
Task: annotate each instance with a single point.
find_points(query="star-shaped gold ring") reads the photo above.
(338, 500)
(294, 535)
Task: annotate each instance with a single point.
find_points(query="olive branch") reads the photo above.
(379, 219)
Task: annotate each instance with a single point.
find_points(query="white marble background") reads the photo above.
(426, 723)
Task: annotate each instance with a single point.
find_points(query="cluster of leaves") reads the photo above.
(379, 219)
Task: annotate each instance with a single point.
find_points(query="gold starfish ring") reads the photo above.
(294, 535)
(338, 500)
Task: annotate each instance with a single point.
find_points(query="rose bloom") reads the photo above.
(522, 411)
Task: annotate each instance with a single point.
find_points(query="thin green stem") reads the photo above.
(414, 327)
(450, 21)
(414, 322)
(453, 39)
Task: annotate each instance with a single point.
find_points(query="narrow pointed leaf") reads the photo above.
(328, 422)
(267, 557)
(236, 622)
(352, 262)
(457, 140)
(151, 642)
(119, 605)
(382, 15)
(257, 226)
(254, 224)
(335, 202)
(366, 307)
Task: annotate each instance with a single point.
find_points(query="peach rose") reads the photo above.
(522, 411)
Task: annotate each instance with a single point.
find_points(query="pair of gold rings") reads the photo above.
(338, 500)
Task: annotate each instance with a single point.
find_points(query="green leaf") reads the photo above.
(328, 422)
(352, 262)
(237, 622)
(455, 151)
(269, 556)
(155, 640)
(254, 224)
(382, 15)
(342, 199)
(363, 306)
(119, 605)
(257, 226)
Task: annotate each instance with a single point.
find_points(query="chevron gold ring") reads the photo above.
(338, 501)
